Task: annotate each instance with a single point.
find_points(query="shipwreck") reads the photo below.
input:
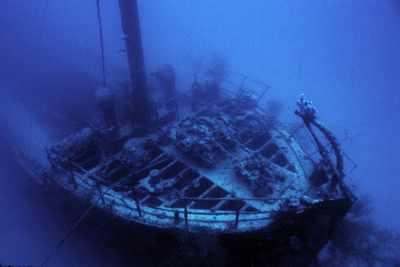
(206, 160)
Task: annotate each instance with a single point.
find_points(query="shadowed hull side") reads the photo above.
(294, 239)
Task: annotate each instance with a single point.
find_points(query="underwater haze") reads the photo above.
(342, 54)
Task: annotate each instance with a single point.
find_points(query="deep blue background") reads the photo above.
(343, 54)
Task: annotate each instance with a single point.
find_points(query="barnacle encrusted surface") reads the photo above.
(208, 136)
(83, 142)
(135, 154)
(204, 139)
(253, 169)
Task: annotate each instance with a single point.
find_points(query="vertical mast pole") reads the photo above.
(133, 40)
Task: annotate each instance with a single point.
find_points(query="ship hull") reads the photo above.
(294, 239)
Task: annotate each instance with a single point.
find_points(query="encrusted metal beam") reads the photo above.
(133, 39)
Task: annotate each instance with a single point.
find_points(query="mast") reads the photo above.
(142, 109)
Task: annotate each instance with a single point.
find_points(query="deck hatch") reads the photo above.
(196, 189)
(173, 170)
(258, 141)
(217, 192)
(152, 202)
(204, 204)
(269, 150)
(233, 205)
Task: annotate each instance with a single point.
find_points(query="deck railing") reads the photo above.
(105, 197)
(233, 217)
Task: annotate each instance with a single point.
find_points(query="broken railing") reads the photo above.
(235, 85)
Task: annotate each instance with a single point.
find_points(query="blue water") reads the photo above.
(342, 54)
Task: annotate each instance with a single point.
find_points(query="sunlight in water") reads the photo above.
(22, 130)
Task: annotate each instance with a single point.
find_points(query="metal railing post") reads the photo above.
(71, 180)
(98, 187)
(139, 210)
(237, 218)
(176, 217)
(186, 214)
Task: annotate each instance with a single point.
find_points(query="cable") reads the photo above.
(101, 37)
(43, 20)
(81, 218)
(69, 233)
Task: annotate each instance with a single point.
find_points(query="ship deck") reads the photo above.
(193, 198)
